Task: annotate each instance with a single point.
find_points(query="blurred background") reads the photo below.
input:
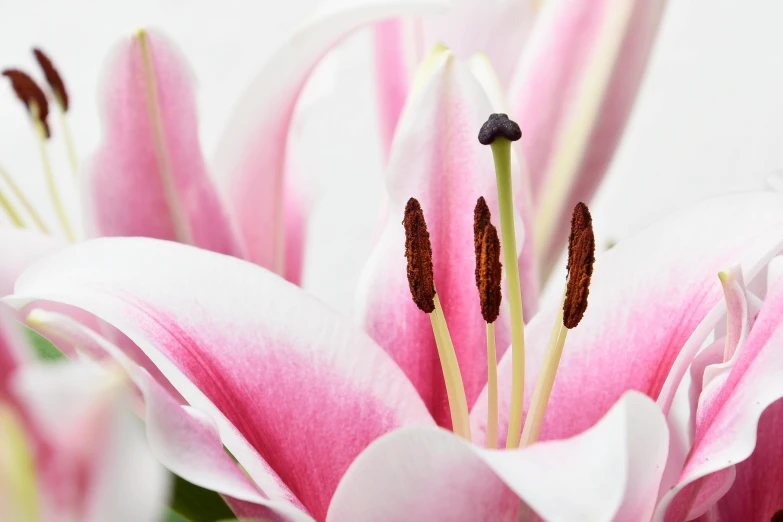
(708, 120)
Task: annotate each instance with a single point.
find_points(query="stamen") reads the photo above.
(33, 97)
(19, 194)
(178, 218)
(581, 257)
(578, 286)
(57, 85)
(499, 131)
(53, 78)
(777, 517)
(488, 279)
(580, 221)
(418, 251)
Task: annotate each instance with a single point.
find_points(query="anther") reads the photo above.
(580, 221)
(53, 78)
(31, 95)
(418, 251)
(777, 516)
(499, 125)
(581, 248)
(488, 266)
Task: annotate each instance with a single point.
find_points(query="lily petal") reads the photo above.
(148, 176)
(98, 466)
(250, 160)
(467, 27)
(647, 297)
(430, 474)
(437, 159)
(288, 382)
(572, 94)
(169, 425)
(21, 248)
(729, 411)
(757, 490)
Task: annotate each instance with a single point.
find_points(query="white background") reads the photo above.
(709, 118)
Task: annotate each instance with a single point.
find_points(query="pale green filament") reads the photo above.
(54, 194)
(501, 152)
(17, 192)
(492, 388)
(69, 146)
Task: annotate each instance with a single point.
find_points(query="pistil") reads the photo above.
(418, 251)
(499, 132)
(581, 257)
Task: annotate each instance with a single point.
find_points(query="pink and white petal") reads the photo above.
(572, 94)
(467, 27)
(650, 297)
(437, 159)
(741, 308)
(728, 415)
(250, 160)
(148, 176)
(609, 472)
(21, 248)
(12, 352)
(757, 491)
(182, 438)
(97, 465)
(258, 355)
(394, 65)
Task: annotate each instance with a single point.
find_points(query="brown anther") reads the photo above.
(481, 217)
(489, 273)
(419, 253)
(53, 78)
(777, 516)
(578, 286)
(580, 220)
(30, 94)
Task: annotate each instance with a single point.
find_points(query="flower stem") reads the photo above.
(501, 153)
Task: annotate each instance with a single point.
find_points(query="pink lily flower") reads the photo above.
(570, 72)
(308, 404)
(69, 447)
(149, 177)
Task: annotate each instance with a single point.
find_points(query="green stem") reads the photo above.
(501, 152)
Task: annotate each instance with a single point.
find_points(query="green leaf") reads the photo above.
(173, 516)
(44, 349)
(196, 504)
